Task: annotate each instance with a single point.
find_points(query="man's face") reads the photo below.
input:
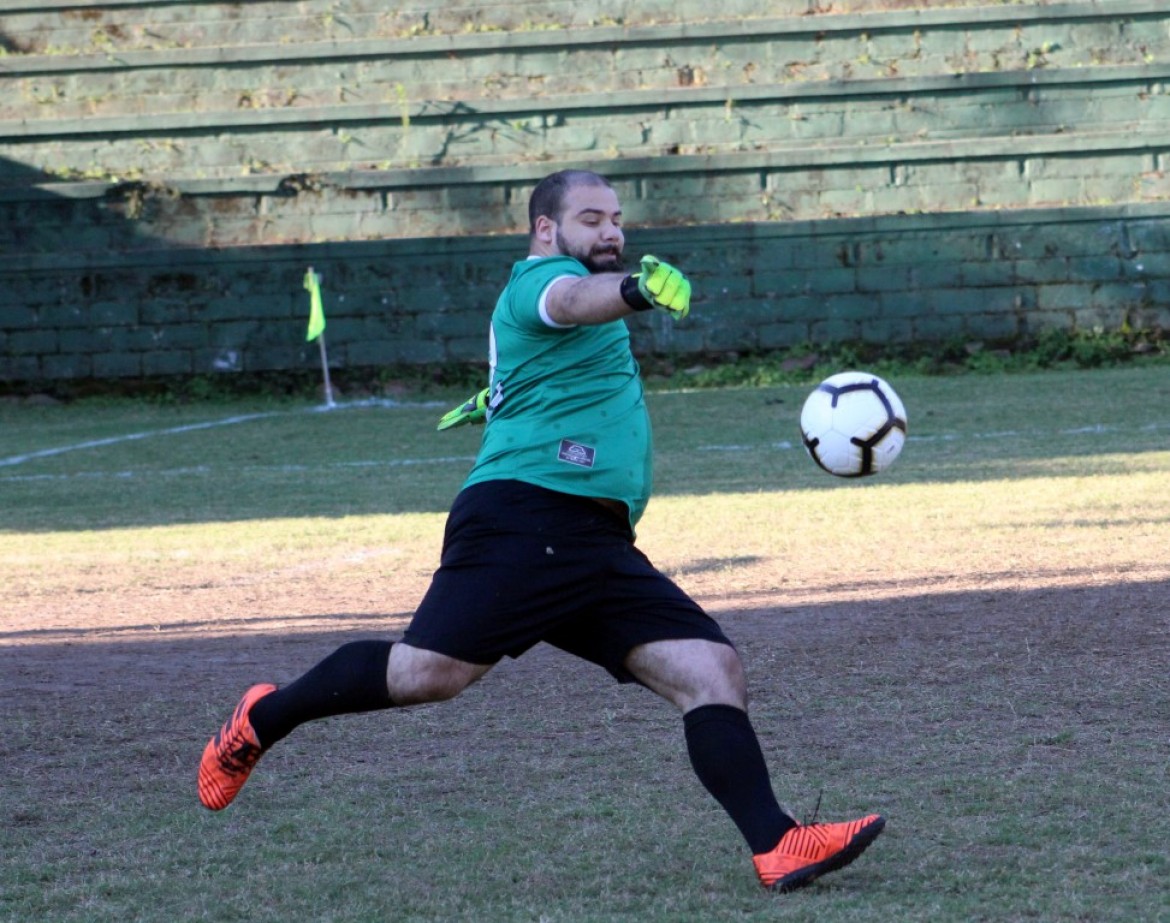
(591, 228)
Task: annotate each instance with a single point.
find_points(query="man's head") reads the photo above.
(576, 213)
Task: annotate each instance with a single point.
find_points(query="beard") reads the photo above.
(602, 258)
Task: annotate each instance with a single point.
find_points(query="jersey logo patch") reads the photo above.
(574, 453)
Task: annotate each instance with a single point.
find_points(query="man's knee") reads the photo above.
(415, 676)
(691, 673)
(726, 683)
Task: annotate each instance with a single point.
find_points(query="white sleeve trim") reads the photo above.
(542, 305)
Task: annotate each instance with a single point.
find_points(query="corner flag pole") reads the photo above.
(316, 329)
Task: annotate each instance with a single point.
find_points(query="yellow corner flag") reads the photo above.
(316, 312)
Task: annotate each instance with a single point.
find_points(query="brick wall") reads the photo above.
(168, 171)
(892, 279)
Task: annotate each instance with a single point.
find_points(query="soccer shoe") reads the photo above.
(808, 851)
(230, 755)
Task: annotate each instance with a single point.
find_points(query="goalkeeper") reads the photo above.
(539, 544)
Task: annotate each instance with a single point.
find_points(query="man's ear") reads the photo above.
(546, 230)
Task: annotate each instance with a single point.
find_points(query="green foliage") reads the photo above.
(1098, 349)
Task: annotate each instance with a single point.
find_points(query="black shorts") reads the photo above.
(522, 564)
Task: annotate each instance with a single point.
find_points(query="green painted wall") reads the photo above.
(758, 286)
(168, 171)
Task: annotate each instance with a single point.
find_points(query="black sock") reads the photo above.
(727, 759)
(351, 679)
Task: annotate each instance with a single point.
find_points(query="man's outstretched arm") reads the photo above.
(603, 297)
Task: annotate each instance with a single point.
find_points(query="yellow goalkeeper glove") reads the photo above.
(473, 410)
(658, 285)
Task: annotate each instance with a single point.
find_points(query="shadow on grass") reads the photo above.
(969, 714)
(1078, 645)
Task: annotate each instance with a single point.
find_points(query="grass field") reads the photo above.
(975, 644)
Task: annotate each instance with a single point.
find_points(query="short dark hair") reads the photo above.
(548, 198)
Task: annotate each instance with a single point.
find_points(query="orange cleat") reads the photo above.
(808, 851)
(230, 755)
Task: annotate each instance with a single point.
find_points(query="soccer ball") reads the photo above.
(853, 424)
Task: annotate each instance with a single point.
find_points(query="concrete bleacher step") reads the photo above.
(483, 98)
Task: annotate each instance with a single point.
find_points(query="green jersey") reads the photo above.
(566, 410)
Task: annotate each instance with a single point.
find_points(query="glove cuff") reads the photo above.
(632, 295)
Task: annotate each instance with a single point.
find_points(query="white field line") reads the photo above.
(207, 469)
(192, 427)
(130, 437)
